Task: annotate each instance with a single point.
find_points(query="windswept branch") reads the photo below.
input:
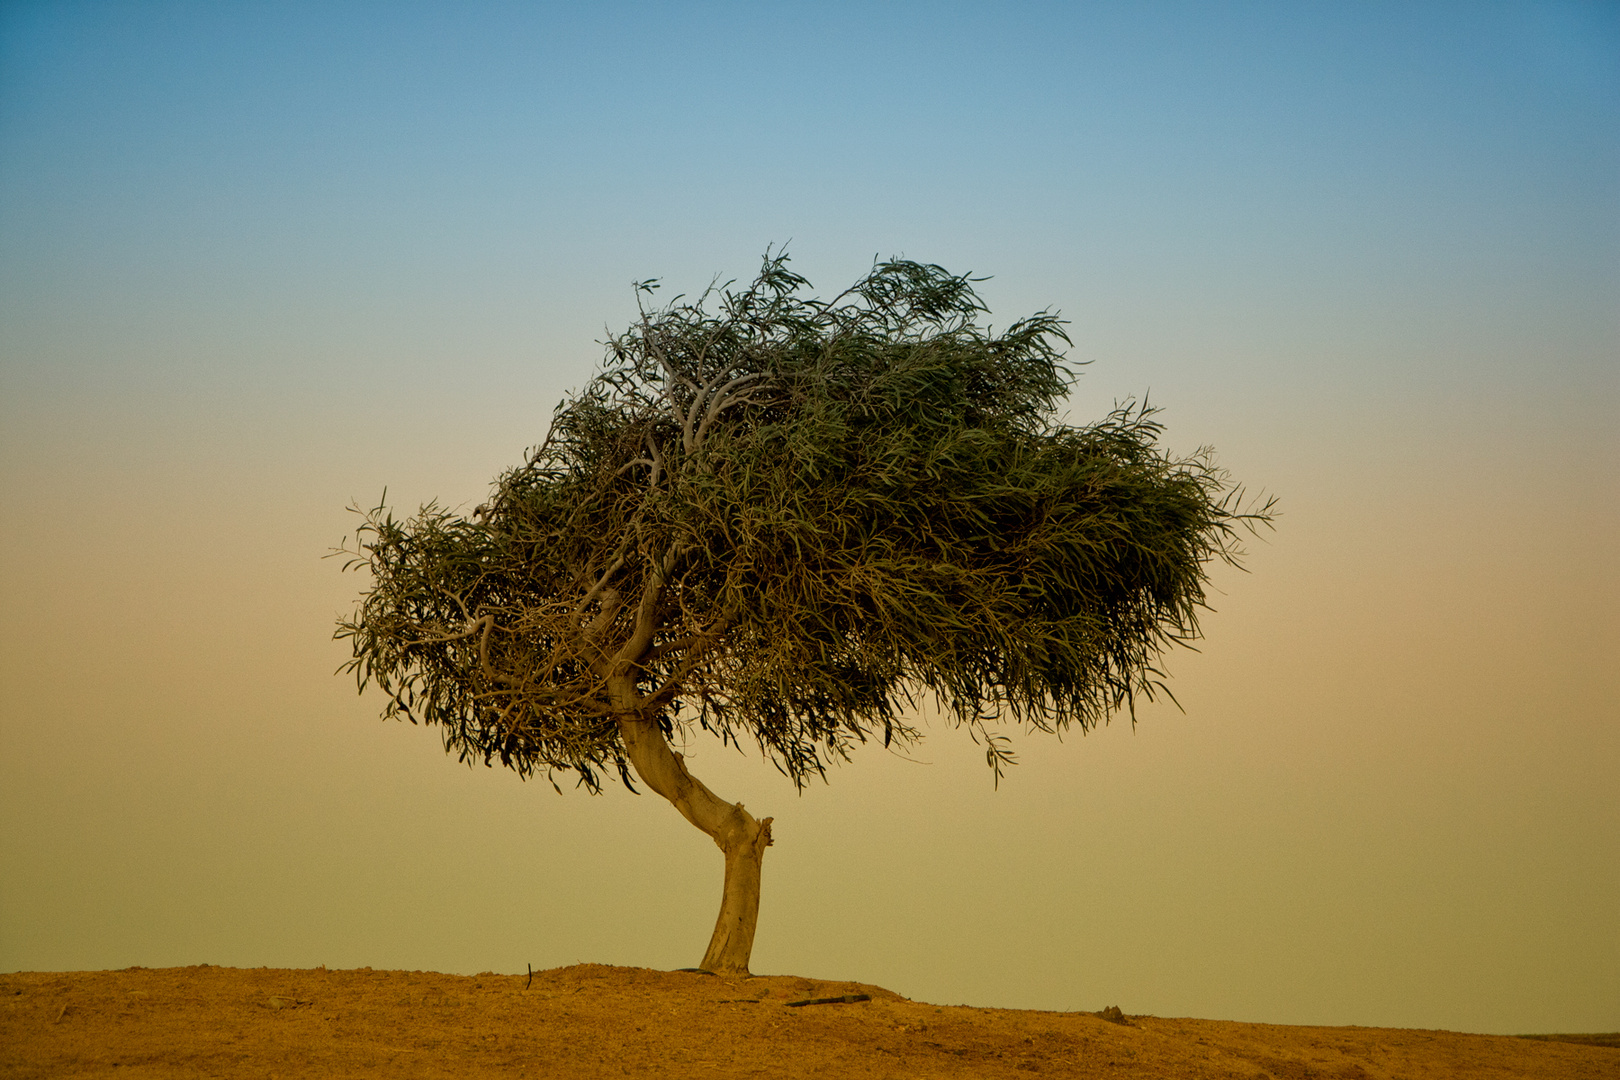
(718, 401)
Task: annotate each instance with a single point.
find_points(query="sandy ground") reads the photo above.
(594, 1021)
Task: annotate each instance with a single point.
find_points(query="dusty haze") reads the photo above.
(258, 262)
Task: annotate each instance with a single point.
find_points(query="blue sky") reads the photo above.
(257, 260)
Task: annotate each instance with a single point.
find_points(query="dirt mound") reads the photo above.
(594, 1021)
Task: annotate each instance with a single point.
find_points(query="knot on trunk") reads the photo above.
(743, 832)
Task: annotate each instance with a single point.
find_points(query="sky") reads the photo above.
(261, 261)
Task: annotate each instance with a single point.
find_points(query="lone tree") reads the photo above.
(784, 520)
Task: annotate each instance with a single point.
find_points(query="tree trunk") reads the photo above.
(742, 837)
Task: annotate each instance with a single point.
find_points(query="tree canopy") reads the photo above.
(788, 521)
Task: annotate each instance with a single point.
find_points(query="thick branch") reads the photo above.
(601, 583)
(718, 403)
(636, 646)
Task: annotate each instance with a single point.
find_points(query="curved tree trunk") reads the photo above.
(742, 837)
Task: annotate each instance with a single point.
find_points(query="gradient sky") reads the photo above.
(258, 260)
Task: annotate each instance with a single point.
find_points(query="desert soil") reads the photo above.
(592, 1021)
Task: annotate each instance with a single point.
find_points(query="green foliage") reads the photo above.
(786, 521)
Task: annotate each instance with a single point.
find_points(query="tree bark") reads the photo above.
(742, 837)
